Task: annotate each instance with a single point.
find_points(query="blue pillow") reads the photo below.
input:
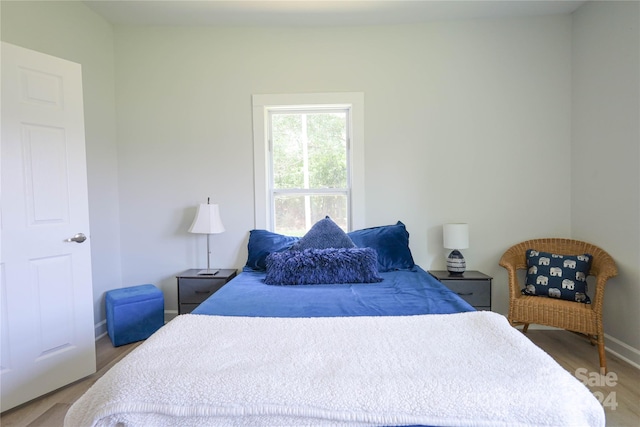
(324, 234)
(558, 276)
(322, 266)
(391, 242)
(262, 243)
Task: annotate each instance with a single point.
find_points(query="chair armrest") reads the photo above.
(512, 260)
(603, 268)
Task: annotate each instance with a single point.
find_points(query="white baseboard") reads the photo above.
(100, 329)
(533, 326)
(623, 350)
(170, 315)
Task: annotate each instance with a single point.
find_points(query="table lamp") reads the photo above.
(456, 236)
(207, 221)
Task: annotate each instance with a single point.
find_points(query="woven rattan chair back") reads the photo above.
(573, 316)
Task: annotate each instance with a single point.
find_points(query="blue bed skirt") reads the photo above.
(401, 293)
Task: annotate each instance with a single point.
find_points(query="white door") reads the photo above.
(46, 300)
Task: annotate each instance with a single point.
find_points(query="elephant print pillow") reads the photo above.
(557, 276)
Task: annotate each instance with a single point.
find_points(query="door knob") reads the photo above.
(78, 238)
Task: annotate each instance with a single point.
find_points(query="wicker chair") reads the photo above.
(573, 316)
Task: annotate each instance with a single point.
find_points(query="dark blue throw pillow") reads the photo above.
(322, 266)
(324, 234)
(557, 276)
(391, 242)
(262, 243)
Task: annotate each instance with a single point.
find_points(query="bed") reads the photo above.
(399, 350)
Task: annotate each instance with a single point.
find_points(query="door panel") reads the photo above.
(46, 172)
(47, 298)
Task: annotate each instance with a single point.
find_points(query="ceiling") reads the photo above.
(317, 12)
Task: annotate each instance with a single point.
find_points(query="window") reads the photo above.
(308, 160)
(310, 171)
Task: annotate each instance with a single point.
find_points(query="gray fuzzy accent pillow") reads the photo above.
(323, 235)
(323, 266)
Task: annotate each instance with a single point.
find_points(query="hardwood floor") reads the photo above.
(50, 409)
(621, 400)
(620, 397)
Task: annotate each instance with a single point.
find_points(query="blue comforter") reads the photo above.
(401, 293)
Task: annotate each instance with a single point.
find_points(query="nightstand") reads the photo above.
(472, 286)
(193, 289)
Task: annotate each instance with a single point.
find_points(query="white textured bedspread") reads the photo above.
(466, 369)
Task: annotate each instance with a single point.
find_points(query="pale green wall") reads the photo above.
(605, 151)
(72, 31)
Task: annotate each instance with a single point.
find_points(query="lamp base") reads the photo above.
(456, 264)
(208, 272)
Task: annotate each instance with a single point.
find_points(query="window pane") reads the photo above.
(295, 214)
(327, 150)
(309, 150)
(287, 151)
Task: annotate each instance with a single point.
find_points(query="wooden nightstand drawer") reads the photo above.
(198, 290)
(193, 288)
(475, 292)
(473, 286)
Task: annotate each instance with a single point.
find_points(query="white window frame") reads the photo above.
(354, 102)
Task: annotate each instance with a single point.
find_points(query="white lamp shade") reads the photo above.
(456, 236)
(207, 220)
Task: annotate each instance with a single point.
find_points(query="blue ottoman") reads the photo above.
(134, 313)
